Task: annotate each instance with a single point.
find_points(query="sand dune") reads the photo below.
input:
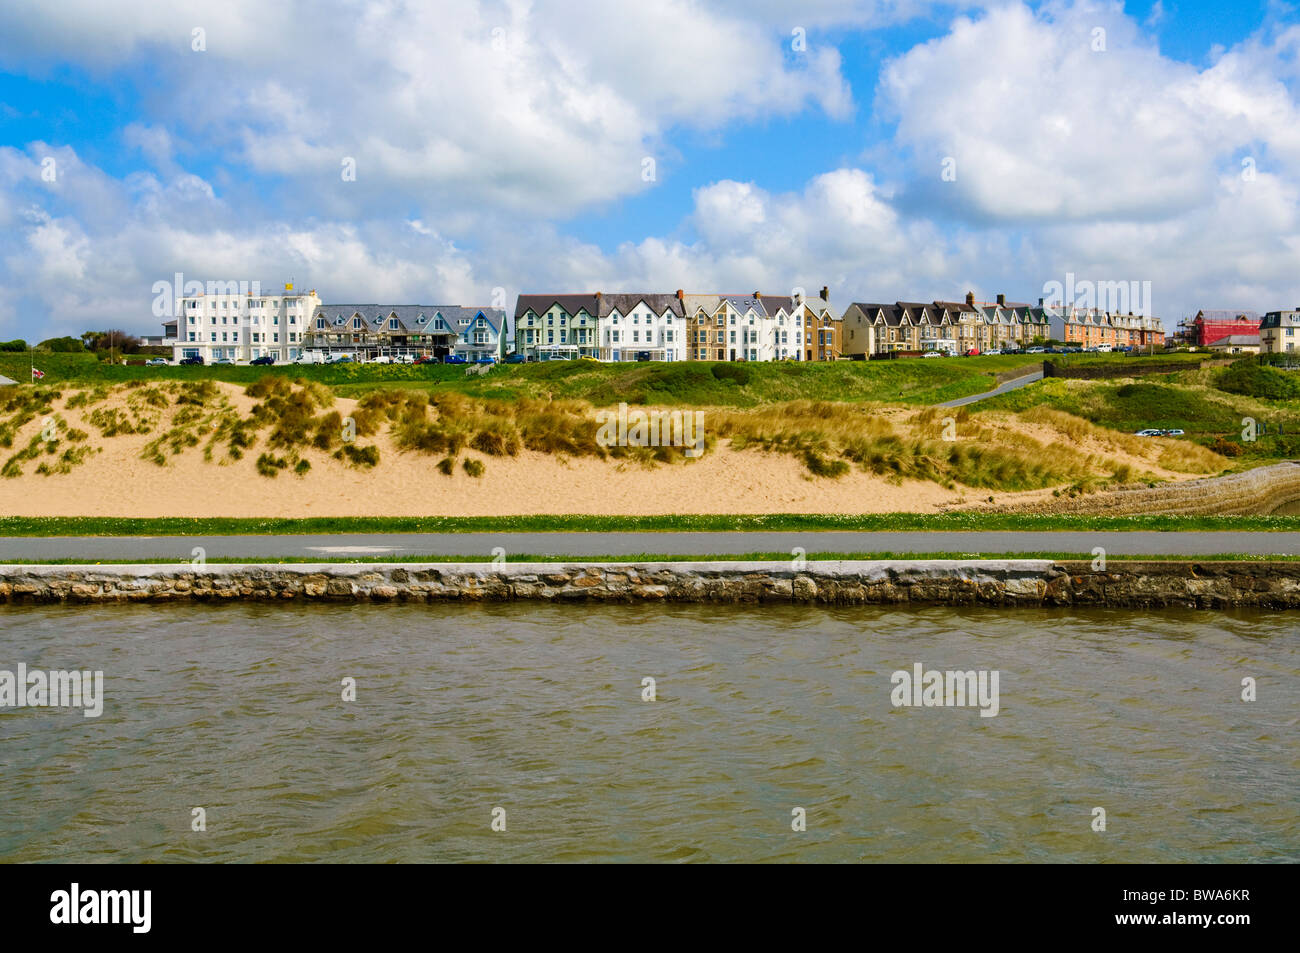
(117, 482)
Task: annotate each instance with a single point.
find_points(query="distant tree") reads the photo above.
(63, 345)
(18, 344)
(116, 338)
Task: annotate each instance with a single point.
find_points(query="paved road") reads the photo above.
(1000, 389)
(480, 546)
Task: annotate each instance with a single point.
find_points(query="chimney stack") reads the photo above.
(826, 293)
(679, 294)
(1002, 299)
(757, 296)
(970, 299)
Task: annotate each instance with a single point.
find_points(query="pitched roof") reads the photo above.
(412, 317)
(540, 304)
(1225, 314)
(625, 303)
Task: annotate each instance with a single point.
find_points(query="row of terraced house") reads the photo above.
(240, 325)
(677, 327)
(963, 327)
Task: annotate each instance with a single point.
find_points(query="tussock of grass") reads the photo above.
(269, 465)
(984, 452)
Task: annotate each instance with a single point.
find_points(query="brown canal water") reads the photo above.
(538, 709)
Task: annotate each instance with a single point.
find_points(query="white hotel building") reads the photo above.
(226, 323)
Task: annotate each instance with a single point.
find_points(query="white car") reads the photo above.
(933, 354)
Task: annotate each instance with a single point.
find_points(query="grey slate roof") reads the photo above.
(416, 318)
(540, 304)
(625, 303)
(1245, 340)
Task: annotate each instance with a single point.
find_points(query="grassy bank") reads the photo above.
(690, 383)
(778, 522)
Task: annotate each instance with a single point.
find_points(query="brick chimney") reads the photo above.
(757, 295)
(1002, 299)
(970, 299)
(680, 293)
(826, 293)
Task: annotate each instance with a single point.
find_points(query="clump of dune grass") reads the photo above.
(70, 458)
(950, 447)
(197, 393)
(364, 457)
(269, 465)
(114, 422)
(473, 467)
(84, 398)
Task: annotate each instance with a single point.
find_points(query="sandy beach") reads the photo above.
(116, 481)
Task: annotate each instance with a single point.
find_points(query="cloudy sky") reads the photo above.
(394, 152)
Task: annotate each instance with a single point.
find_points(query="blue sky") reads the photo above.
(501, 145)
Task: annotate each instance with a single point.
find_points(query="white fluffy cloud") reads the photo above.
(1071, 114)
(542, 109)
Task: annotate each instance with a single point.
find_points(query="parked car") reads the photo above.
(341, 359)
(517, 359)
(485, 359)
(454, 359)
(263, 360)
(996, 350)
(223, 360)
(192, 360)
(381, 359)
(156, 362)
(1150, 432)
(933, 354)
(973, 352)
(1172, 433)
(1036, 350)
(426, 359)
(643, 355)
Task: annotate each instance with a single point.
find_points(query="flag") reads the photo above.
(37, 375)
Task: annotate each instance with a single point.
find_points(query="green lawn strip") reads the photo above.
(659, 558)
(683, 383)
(776, 522)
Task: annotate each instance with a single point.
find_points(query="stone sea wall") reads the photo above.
(1009, 582)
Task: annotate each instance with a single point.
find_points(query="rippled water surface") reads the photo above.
(537, 709)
